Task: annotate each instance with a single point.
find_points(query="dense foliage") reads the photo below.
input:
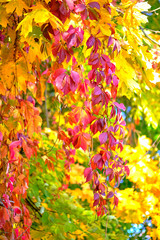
(73, 73)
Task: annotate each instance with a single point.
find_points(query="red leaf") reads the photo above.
(94, 60)
(17, 210)
(98, 125)
(94, 5)
(97, 157)
(110, 194)
(93, 14)
(1, 136)
(115, 200)
(62, 55)
(93, 165)
(90, 42)
(16, 232)
(70, 4)
(116, 128)
(100, 164)
(12, 179)
(113, 91)
(115, 81)
(72, 40)
(102, 188)
(89, 176)
(94, 128)
(109, 171)
(126, 168)
(113, 112)
(103, 137)
(123, 123)
(120, 106)
(13, 149)
(63, 187)
(105, 59)
(74, 80)
(111, 129)
(87, 171)
(110, 41)
(96, 196)
(59, 72)
(111, 177)
(85, 140)
(95, 202)
(97, 91)
(120, 145)
(112, 140)
(28, 150)
(80, 8)
(83, 143)
(108, 155)
(76, 141)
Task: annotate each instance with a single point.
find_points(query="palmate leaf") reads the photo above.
(63, 215)
(126, 74)
(16, 5)
(40, 15)
(14, 74)
(3, 17)
(38, 47)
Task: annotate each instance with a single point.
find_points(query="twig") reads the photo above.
(32, 205)
(46, 110)
(23, 232)
(152, 11)
(148, 36)
(119, 11)
(155, 143)
(154, 31)
(37, 229)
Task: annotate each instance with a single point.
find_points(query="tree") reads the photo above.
(58, 60)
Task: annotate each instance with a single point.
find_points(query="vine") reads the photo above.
(79, 66)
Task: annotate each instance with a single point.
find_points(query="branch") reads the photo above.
(148, 36)
(32, 205)
(37, 229)
(46, 110)
(23, 232)
(154, 10)
(154, 31)
(154, 144)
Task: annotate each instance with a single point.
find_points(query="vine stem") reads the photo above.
(46, 110)
(23, 232)
(145, 34)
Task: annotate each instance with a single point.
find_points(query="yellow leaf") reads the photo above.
(147, 77)
(22, 74)
(105, 29)
(40, 90)
(7, 74)
(2, 88)
(26, 25)
(3, 17)
(10, 124)
(17, 5)
(39, 15)
(126, 73)
(4, 130)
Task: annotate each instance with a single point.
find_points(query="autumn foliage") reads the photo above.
(62, 65)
